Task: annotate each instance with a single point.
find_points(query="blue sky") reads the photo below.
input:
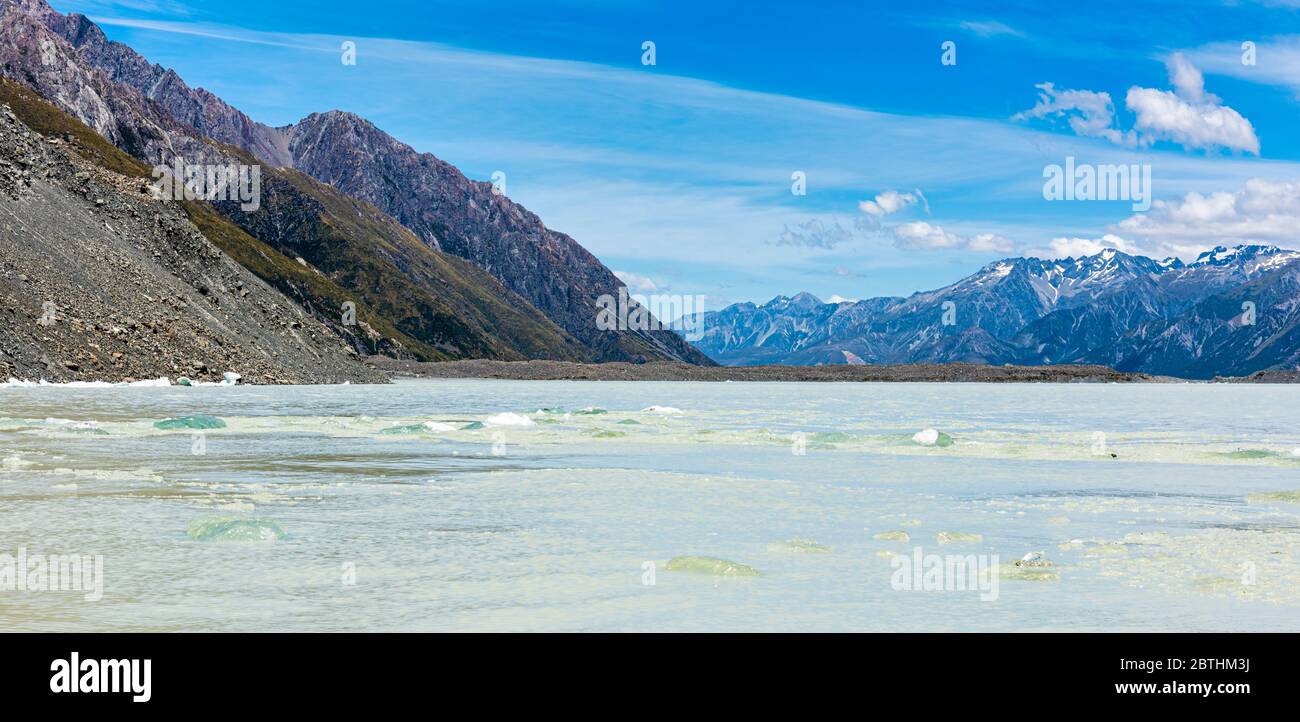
(678, 175)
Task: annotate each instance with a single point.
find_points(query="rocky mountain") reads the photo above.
(1130, 312)
(410, 300)
(100, 281)
(450, 214)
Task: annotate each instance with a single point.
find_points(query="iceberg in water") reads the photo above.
(420, 428)
(932, 437)
(234, 529)
(710, 565)
(665, 410)
(195, 422)
(508, 419)
(804, 546)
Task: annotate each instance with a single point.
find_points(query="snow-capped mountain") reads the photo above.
(1128, 311)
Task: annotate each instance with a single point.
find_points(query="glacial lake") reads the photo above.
(561, 505)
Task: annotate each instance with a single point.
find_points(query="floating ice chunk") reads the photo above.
(420, 428)
(896, 535)
(710, 565)
(508, 419)
(806, 546)
(664, 410)
(958, 537)
(87, 427)
(197, 421)
(932, 437)
(1034, 560)
(230, 378)
(234, 529)
(590, 411)
(1249, 454)
(1033, 566)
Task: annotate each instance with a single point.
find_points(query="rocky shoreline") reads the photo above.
(563, 370)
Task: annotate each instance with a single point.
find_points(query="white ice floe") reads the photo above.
(665, 410)
(932, 437)
(508, 419)
(438, 426)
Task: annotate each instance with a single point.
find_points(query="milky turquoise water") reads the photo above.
(388, 508)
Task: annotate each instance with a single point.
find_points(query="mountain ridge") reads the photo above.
(1131, 312)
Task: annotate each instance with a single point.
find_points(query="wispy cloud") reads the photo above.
(989, 28)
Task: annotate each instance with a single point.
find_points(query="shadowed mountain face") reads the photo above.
(447, 212)
(1130, 312)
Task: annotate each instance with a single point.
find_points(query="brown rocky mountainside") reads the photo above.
(446, 211)
(100, 281)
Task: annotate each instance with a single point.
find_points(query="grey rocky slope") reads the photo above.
(100, 281)
(1130, 312)
(446, 210)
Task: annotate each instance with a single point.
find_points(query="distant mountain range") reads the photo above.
(437, 265)
(1231, 312)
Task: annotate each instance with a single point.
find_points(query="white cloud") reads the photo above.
(919, 235)
(892, 201)
(1095, 112)
(989, 242)
(1188, 82)
(1187, 115)
(1262, 211)
(636, 283)
(1078, 247)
